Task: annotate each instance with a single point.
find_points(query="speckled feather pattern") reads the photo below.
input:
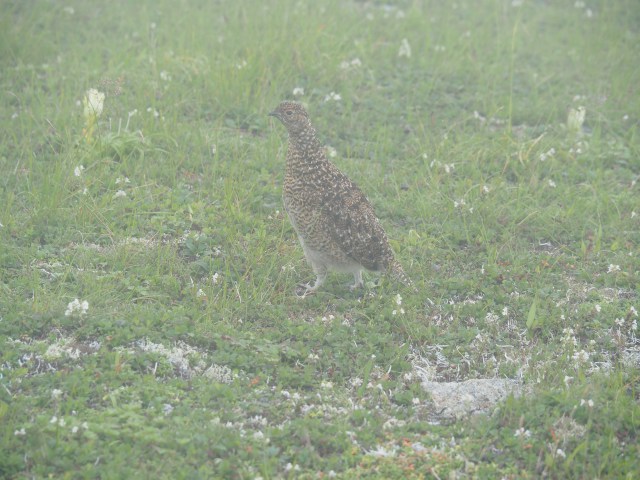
(335, 222)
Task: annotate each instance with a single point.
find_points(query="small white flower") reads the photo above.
(215, 278)
(241, 65)
(485, 189)
(153, 111)
(327, 385)
(61, 422)
(119, 194)
(613, 268)
(568, 380)
(122, 180)
(93, 103)
(589, 403)
(69, 10)
(298, 91)
(619, 322)
(575, 119)
(505, 311)
(394, 312)
(560, 453)
(581, 357)
(78, 170)
(459, 203)
(200, 293)
(598, 307)
(332, 152)
(415, 401)
(20, 433)
(167, 408)
(589, 13)
(439, 48)
(521, 432)
(405, 49)
(551, 183)
(398, 299)
(55, 393)
(166, 76)
(85, 425)
(54, 419)
(633, 214)
(77, 306)
(449, 167)
(633, 311)
(625, 117)
(336, 97)
(634, 325)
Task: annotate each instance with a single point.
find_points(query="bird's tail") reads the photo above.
(397, 273)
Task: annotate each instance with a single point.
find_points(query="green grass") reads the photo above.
(196, 360)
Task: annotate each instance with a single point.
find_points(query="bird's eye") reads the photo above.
(288, 112)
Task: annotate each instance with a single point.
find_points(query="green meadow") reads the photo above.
(149, 326)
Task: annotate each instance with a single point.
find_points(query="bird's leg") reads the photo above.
(357, 280)
(321, 276)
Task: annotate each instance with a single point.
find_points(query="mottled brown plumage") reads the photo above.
(335, 222)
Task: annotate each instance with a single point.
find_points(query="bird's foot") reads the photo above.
(304, 290)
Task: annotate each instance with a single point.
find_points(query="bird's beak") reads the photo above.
(274, 114)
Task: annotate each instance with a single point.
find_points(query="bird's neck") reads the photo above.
(306, 146)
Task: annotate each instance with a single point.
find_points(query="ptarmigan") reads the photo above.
(335, 222)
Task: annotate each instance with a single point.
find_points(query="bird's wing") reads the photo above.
(353, 225)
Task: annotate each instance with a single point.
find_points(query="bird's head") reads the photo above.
(293, 116)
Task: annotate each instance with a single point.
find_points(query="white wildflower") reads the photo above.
(459, 203)
(336, 97)
(327, 385)
(20, 433)
(78, 170)
(598, 307)
(55, 394)
(166, 76)
(449, 167)
(54, 419)
(568, 380)
(588, 403)
(76, 306)
(521, 432)
(505, 312)
(167, 408)
(405, 49)
(575, 119)
(633, 311)
(398, 299)
(551, 183)
(581, 357)
(560, 453)
(74, 429)
(200, 293)
(619, 322)
(120, 180)
(298, 91)
(119, 194)
(485, 189)
(93, 103)
(415, 401)
(439, 48)
(215, 278)
(613, 268)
